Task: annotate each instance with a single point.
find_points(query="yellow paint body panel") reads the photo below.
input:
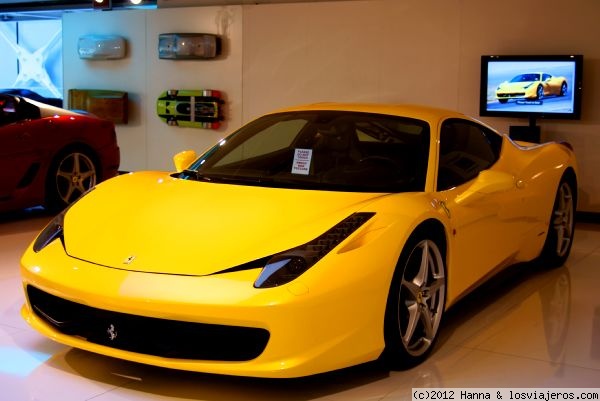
(152, 245)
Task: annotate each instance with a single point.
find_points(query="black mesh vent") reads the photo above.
(145, 335)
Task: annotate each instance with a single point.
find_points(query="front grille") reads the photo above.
(146, 335)
(510, 95)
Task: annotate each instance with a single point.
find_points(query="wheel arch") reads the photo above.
(558, 240)
(436, 229)
(570, 175)
(431, 229)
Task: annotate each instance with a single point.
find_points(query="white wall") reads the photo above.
(128, 74)
(146, 142)
(425, 51)
(224, 74)
(372, 51)
(553, 27)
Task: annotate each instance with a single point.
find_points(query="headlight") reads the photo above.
(287, 266)
(55, 229)
(52, 231)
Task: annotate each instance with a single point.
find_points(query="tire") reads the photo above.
(71, 174)
(561, 228)
(503, 100)
(415, 304)
(539, 93)
(563, 89)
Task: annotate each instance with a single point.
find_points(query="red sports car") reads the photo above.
(49, 156)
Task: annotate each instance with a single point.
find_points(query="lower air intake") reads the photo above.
(146, 335)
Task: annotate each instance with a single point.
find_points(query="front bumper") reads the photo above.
(311, 329)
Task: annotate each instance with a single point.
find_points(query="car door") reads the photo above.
(16, 147)
(483, 233)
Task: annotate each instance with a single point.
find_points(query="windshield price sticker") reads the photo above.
(302, 158)
(499, 394)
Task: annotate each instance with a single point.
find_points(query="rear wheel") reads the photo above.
(561, 228)
(415, 303)
(563, 89)
(70, 175)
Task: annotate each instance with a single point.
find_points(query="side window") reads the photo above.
(466, 148)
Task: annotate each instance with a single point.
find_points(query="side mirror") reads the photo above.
(487, 182)
(183, 159)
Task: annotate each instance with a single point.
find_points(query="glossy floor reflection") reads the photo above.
(535, 329)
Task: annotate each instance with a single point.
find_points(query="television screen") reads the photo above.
(531, 86)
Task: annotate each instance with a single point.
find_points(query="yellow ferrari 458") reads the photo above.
(311, 239)
(531, 86)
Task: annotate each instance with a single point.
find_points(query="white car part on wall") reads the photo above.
(101, 47)
(188, 46)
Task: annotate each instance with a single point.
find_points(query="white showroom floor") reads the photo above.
(533, 329)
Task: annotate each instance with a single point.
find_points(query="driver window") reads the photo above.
(466, 149)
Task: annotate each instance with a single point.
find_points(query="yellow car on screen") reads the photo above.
(311, 239)
(531, 86)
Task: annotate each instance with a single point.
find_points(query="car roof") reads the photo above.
(427, 113)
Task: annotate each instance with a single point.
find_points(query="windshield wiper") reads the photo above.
(223, 178)
(236, 179)
(194, 174)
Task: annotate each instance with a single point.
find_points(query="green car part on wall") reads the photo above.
(200, 108)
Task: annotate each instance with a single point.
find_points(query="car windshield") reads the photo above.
(526, 78)
(323, 150)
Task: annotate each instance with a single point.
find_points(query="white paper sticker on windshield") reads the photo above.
(302, 158)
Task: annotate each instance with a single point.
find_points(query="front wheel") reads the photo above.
(415, 303)
(561, 228)
(539, 92)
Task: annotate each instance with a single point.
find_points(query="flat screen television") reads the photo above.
(531, 86)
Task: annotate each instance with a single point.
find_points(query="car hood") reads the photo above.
(152, 222)
(513, 86)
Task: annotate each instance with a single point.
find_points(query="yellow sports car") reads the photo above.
(311, 239)
(534, 86)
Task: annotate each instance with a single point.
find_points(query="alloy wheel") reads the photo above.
(562, 222)
(421, 297)
(76, 174)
